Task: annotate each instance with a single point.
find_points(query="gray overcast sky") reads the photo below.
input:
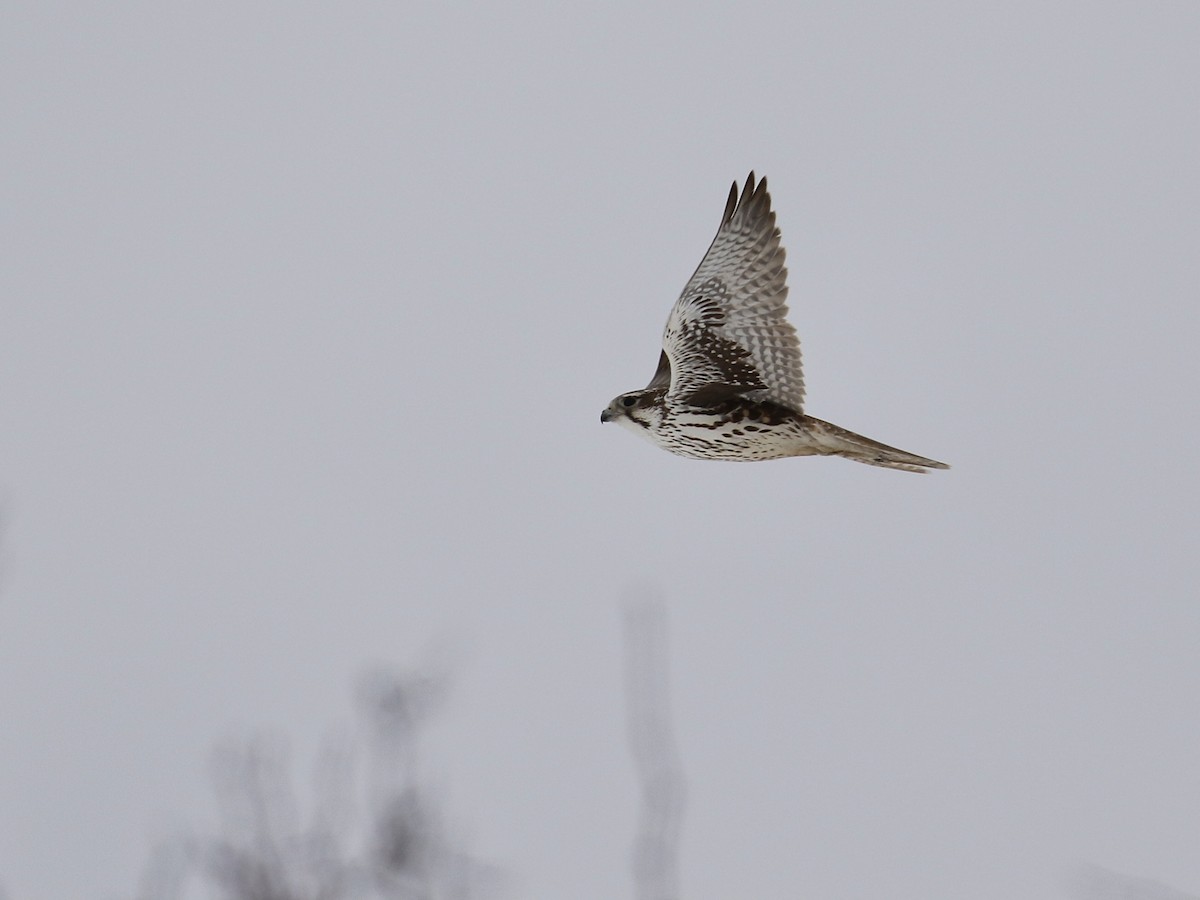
(309, 312)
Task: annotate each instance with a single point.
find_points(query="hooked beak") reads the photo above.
(605, 416)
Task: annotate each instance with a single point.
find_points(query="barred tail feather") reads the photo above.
(837, 441)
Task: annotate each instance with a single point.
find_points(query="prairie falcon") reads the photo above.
(729, 383)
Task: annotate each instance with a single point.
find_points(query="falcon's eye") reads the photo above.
(628, 401)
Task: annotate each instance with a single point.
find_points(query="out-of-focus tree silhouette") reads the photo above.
(372, 833)
(375, 834)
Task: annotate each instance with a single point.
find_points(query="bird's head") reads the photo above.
(637, 409)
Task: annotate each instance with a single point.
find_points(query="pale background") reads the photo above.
(307, 315)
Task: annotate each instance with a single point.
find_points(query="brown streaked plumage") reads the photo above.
(729, 383)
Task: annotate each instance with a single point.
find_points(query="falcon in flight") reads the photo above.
(729, 383)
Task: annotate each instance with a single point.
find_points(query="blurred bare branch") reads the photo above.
(397, 849)
(655, 757)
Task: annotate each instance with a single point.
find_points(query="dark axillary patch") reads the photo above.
(758, 416)
(734, 374)
(718, 393)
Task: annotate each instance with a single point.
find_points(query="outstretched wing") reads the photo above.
(728, 334)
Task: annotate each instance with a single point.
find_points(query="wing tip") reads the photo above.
(752, 202)
(732, 202)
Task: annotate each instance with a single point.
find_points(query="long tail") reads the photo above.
(837, 441)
